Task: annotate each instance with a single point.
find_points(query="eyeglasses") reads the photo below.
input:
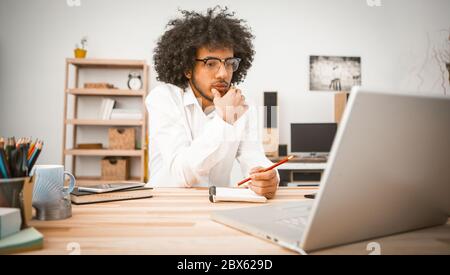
(212, 64)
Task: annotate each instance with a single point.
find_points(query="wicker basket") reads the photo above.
(115, 168)
(122, 138)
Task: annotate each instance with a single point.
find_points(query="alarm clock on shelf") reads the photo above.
(134, 81)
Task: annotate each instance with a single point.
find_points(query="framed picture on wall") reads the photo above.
(334, 73)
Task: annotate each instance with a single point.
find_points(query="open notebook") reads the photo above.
(234, 194)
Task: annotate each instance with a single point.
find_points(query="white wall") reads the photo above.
(395, 42)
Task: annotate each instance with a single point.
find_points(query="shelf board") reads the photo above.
(105, 92)
(104, 152)
(86, 181)
(100, 122)
(106, 63)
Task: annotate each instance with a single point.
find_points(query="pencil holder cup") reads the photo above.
(80, 53)
(50, 198)
(12, 196)
(27, 196)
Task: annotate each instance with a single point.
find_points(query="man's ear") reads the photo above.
(188, 74)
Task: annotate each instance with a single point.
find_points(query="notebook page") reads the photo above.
(238, 194)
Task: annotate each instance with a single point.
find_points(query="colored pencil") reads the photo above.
(32, 146)
(18, 158)
(268, 168)
(4, 167)
(35, 155)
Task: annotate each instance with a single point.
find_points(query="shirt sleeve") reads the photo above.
(186, 159)
(251, 152)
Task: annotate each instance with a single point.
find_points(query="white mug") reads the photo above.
(49, 184)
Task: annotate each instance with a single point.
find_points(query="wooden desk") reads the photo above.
(174, 221)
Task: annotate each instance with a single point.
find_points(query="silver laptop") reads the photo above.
(388, 172)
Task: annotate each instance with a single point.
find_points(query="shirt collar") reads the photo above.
(190, 99)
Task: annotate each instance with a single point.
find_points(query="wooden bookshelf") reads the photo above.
(72, 77)
(106, 63)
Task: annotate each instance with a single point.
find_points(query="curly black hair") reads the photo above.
(176, 50)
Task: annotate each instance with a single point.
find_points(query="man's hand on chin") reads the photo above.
(231, 105)
(264, 183)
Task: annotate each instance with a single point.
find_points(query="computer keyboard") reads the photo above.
(295, 222)
(299, 215)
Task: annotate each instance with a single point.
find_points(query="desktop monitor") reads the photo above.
(312, 139)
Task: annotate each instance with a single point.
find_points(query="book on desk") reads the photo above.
(25, 240)
(84, 197)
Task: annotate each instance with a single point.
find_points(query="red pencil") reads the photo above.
(267, 169)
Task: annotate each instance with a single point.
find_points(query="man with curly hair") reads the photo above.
(199, 123)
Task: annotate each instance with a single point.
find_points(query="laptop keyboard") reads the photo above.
(298, 221)
(295, 222)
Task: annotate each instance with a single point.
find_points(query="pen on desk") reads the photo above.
(268, 168)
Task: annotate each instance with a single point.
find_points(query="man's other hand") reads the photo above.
(264, 183)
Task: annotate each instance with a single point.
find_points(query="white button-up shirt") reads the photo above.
(190, 148)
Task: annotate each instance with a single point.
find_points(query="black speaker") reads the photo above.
(270, 110)
(270, 134)
(282, 150)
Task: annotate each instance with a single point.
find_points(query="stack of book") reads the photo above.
(126, 114)
(106, 108)
(14, 240)
(110, 192)
(107, 111)
(24, 240)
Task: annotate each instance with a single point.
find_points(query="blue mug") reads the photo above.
(49, 184)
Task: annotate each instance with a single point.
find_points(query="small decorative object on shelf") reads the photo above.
(80, 52)
(99, 85)
(134, 81)
(91, 146)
